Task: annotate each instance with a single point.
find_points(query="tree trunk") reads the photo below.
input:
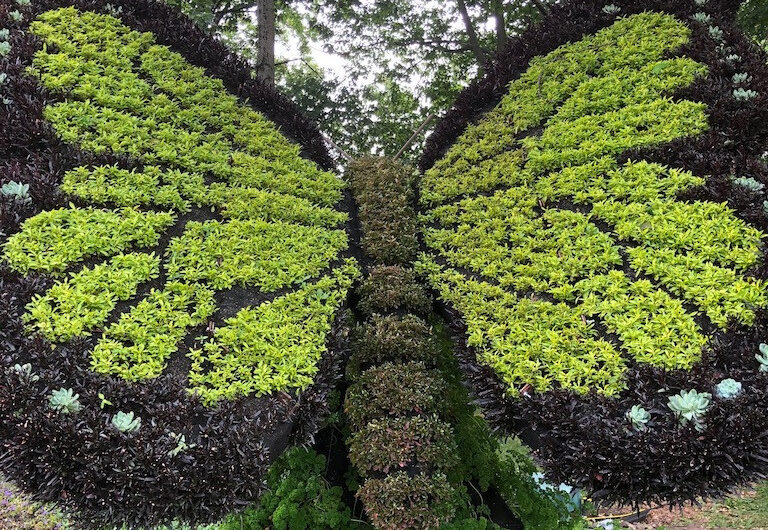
(501, 26)
(265, 69)
(474, 43)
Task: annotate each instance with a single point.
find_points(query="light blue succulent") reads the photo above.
(181, 444)
(65, 401)
(17, 191)
(126, 422)
(728, 389)
(638, 417)
(733, 58)
(24, 371)
(741, 77)
(744, 95)
(702, 18)
(690, 406)
(750, 184)
(762, 357)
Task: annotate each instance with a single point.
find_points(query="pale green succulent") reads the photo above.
(762, 357)
(5, 34)
(716, 33)
(5, 48)
(728, 389)
(701, 2)
(24, 371)
(690, 406)
(741, 77)
(744, 95)
(16, 16)
(126, 422)
(16, 191)
(702, 18)
(638, 417)
(611, 9)
(749, 183)
(733, 58)
(65, 401)
(23, 2)
(181, 444)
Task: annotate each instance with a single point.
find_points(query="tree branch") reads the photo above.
(474, 43)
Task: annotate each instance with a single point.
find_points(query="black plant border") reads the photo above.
(586, 440)
(100, 475)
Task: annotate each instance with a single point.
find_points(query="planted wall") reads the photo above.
(173, 269)
(599, 239)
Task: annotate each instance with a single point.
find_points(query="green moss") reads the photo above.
(551, 251)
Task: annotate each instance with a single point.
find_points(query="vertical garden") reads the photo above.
(205, 319)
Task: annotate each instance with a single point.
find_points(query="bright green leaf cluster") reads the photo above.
(75, 306)
(194, 147)
(252, 253)
(165, 112)
(543, 237)
(138, 345)
(55, 240)
(274, 346)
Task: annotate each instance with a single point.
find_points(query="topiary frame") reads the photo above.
(144, 477)
(586, 439)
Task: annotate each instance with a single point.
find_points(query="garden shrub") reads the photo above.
(173, 251)
(387, 444)
(393, 289)
(297, 497)
(598, 240)
(393, 390)
(392, 338)
(400, 501)
(384, 193)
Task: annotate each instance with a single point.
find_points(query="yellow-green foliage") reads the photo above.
(202, 155)
(542, 233)
(275, 346)
(75, 306)
(138, 344)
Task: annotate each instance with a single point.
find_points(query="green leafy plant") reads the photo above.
(297, 497)
(638, 417)
(65, 401)
(126, 422)
(690, 406)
